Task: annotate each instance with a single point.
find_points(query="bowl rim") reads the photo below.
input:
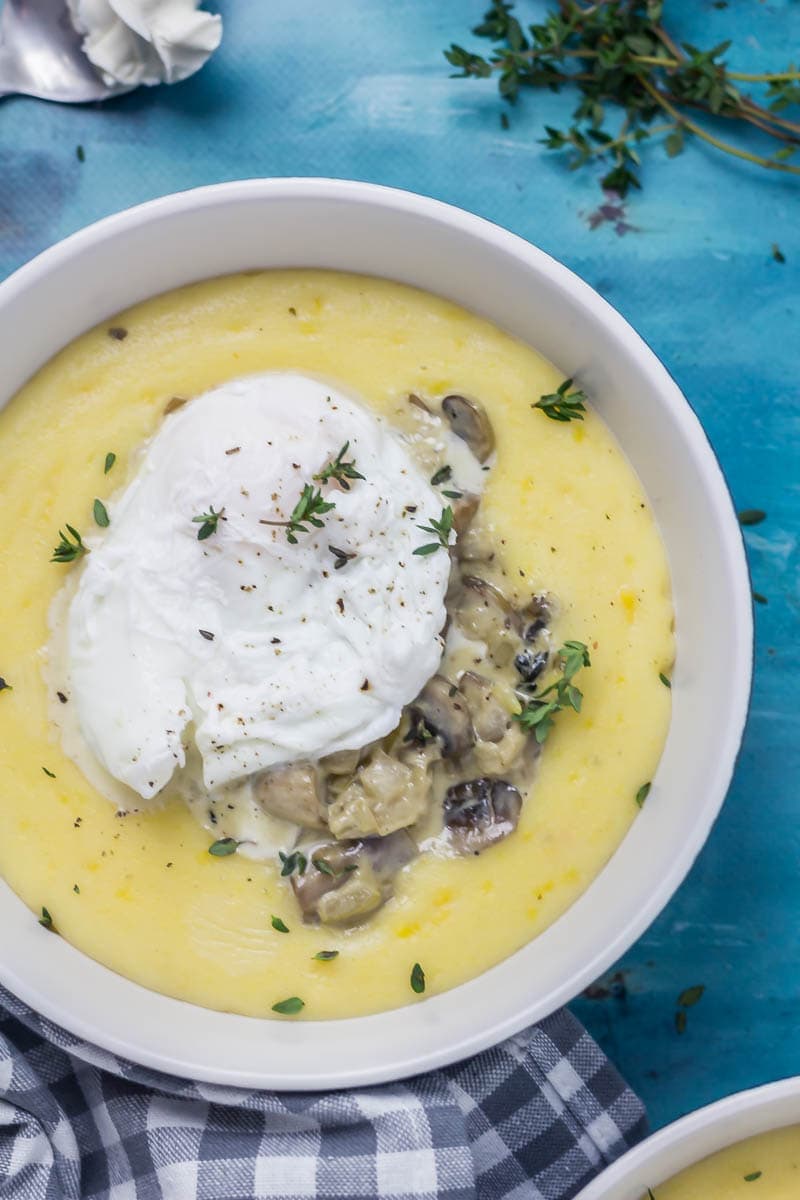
(493, 1029)
(697, 1135)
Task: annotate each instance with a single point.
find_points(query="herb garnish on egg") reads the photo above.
(310, 507)
(208, 522)
(111, 458)
(326, 955)
(417, 979)
(440, 529)
(279, 926)
(342, 557)
(340, 470)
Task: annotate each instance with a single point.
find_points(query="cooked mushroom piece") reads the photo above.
(345, 881)
(530, 664)
(384, 795)
(440, 709)
(474, 545)
(480, 812)
(536, 616)
(484, 614)
(464, 510)
(489, 719)
(293, 793)
(469, 421)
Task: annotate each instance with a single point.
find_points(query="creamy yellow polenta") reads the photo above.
(142, 894)
(766, 1167)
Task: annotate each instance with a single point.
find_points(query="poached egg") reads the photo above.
(259, 651)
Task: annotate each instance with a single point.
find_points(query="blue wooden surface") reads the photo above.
(359, 89)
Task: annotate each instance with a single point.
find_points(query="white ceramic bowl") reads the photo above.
(379, 231)
(694, 1137)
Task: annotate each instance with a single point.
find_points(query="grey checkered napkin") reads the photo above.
(532, 1119)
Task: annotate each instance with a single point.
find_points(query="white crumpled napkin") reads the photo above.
(133, 42)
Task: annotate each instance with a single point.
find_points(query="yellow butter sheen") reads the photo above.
(766, 1167)
(151, 902)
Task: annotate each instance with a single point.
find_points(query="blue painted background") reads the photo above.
(359, 89)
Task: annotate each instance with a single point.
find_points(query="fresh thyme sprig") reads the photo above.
(619, 51)
(70, 546)
(537, 713)
(340, 470)
(563, 405)
(309, 508)
(440, 529)
(208, 522)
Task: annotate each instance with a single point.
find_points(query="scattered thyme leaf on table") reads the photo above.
(621, 60)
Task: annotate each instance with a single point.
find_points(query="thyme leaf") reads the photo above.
(440, 529)
(101, 516)
(309, 509)
(296, 861)
(563, 405)
(541, 705)
(208, 522)
(70, 546)
(417, 979)
(223, 847)
(289, 1007)
(340, 470)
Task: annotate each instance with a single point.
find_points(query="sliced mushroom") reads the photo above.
(385, 795)
(489, 719)
(338, 859)
(536, 616)
(474, 545)
(480, 812)
(293, 793)
(469, 421)
(499, 758)
(484, 614)
(344, 882)
(464, 510)
(343, 762)
(530, 664)
(440, 710)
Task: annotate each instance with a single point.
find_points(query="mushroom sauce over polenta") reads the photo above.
(342, 639)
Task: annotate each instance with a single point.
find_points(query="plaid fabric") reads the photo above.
(532, 1119)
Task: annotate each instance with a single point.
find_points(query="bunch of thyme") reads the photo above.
(618, 52)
